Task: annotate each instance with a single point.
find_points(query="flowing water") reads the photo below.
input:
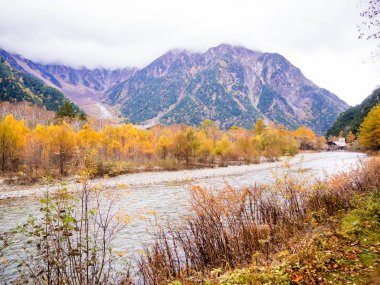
(167, 193)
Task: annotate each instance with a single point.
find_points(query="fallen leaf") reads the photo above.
(296, 277)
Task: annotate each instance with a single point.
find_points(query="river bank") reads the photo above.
(328, 236)
(164, 197)
(178, 177)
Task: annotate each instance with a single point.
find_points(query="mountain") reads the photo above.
(83, 86)
(17, 86)
(227, 84)
(351, 119)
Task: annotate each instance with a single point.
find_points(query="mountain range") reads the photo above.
(230, 85)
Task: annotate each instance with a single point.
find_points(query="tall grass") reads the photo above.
(229, 228)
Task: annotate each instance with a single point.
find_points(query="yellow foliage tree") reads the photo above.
(163, 145)
(185, 145)
(206, 146)
(89, 144)
(259, 126)
(369, 132)
(305, 138)
(350, 137)
(12, 141)
(36, 156)
(246, 149)
(115, 149)
(61, 145)
(222, 148)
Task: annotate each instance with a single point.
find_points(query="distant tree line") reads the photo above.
(57, 147)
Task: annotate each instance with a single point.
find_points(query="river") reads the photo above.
(167, 193)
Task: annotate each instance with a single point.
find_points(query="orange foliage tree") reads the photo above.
(52, 149)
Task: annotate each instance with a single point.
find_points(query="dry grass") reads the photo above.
(227, 229)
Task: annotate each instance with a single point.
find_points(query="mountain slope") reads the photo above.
(17, 86)
(351, 119)
(229, 85)
(85, 87)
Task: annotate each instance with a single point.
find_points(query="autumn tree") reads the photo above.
(320, 142)
(270, 144)
(246, 149)
(61, 145)
(115, 149)
(369, 28)
(208, 136)
(259, 126)
(223, 148)
(350, 137)
(163, 145)
(369, 132)
(136, 143)
(32, 115)
(205, 151)
(305, 137)
(88, 144)
(36, 156)
(185, 145)
(209, 128)
(12, 141)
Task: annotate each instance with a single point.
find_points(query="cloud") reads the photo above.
(319, 37)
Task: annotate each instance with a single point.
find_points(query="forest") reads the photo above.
(35, 143)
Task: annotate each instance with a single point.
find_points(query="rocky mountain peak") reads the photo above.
(228, 84)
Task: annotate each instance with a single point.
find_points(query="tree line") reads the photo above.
(57, 148)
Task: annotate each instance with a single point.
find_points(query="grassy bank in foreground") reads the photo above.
(345, 249)
(289, 233)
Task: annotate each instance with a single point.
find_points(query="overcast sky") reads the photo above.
(318, 36)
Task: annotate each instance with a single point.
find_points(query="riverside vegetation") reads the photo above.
(39, 147)
(291, 232)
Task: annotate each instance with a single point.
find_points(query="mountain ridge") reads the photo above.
(19, 86)
(231, 85)
(225, 84)
(85, 87)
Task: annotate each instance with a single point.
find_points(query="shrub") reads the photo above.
(228, 228)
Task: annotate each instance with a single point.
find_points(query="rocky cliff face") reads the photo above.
(227, 84)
